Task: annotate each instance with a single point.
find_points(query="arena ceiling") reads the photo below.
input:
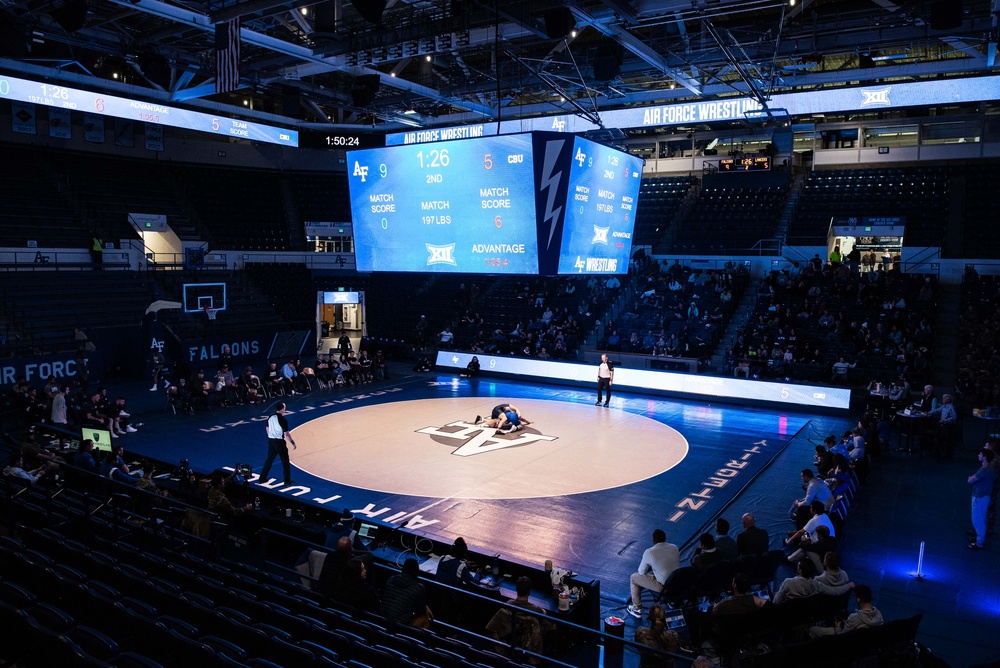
(305, 64)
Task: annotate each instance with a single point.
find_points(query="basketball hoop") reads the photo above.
(210, 312)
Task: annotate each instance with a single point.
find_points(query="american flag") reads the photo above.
(227, 56)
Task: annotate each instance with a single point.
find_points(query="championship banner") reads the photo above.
(60, 125)
(154, 137)
(93, 128)
(22, 117)
(124, 133)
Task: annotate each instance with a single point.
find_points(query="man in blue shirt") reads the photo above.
(982, 487)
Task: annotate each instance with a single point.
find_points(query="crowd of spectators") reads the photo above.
(677, 311)
(833, 323)
(71, 405)
(538, 318)
(341, 367)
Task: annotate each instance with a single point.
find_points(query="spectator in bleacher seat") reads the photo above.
(15, 469)
(219, 503)
(291, 376)
(452, 569)
(705, 554)
(357, 377)
(835, 256)
(866, 616)
(342, 524)
(323, 372)
(275, 380)
(366, 367)
(840, 368)
(724, 543)
(249, 386)
(355, 589)
(658, 562)
(84, 458)
(808, 533)
(816, 490)
(94, 417)
(802, 585)
(335, 566)
(121, 417)
(423, 364)
(445, 337)
(179, 397)
(815, 550)
(225, 357)
(404, 599)
(656, 636)
(702, 625)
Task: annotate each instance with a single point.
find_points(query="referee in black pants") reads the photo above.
(605, 376)
(277, 433)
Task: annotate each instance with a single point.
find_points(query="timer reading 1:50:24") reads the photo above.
(341, 140)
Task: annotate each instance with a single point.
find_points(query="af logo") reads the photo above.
(580, 156)
(878, 97)
(361, 171)
(156, 344)
(600, 235)
(441, 254)
(558, 125)
(475, 440)
(579, 264)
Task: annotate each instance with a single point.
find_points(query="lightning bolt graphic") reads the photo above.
(551, 181)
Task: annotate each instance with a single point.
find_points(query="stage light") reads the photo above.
(427, 58)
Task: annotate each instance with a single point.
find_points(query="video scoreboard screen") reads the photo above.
(461, 206)
(538, 203)
(600, 209)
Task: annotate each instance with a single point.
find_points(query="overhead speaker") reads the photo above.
(865, 61)
(71, 15)
(608, 60)
(370, 10)
(364, 89)
(325, 16)
(559, 22)
(946, 14)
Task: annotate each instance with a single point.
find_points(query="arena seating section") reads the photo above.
(816, 348)
(920, 194)
(660, 198)
(44, 307)
(727, 220)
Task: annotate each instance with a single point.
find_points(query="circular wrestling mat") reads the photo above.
(432, 448)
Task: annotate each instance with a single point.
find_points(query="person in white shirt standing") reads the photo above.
(277, 434)
(658, 562)
(605, 377)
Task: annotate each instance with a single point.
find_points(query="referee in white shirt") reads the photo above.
(277, 432)
(605, 376)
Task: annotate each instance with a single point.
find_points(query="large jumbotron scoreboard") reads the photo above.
(537, 203)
